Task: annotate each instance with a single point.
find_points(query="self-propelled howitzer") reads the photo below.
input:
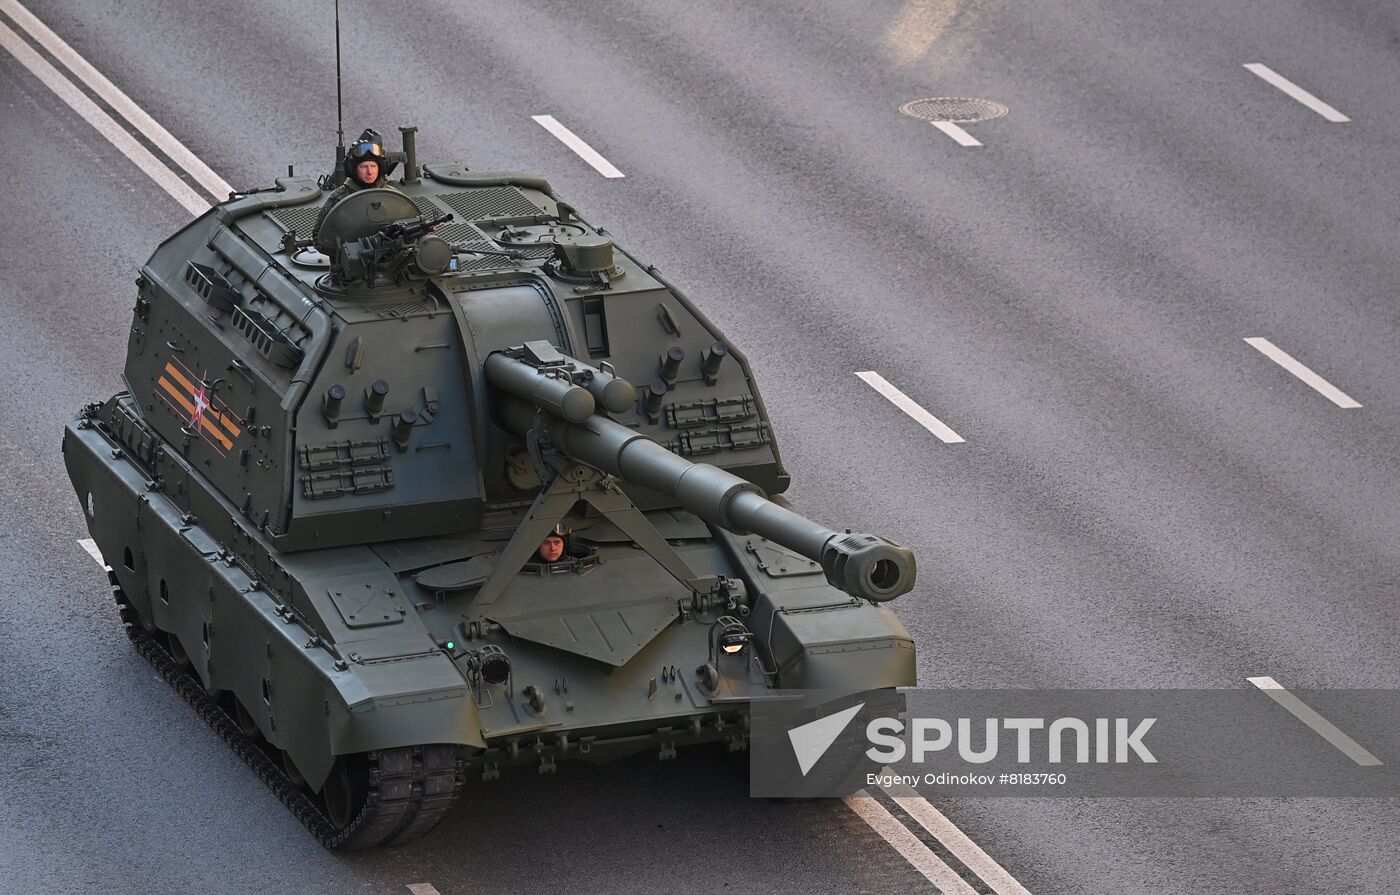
(325, 491)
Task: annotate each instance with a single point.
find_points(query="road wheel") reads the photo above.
(177, 652)
(345, 789)
(293, 774)
(245, 720)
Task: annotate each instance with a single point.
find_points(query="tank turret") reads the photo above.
(452, 485)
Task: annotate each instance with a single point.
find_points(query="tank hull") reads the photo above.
(272, 635)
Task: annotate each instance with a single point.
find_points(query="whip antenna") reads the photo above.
(339, 113)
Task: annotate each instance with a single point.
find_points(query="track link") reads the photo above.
(409, 789)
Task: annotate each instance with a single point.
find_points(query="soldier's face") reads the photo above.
(552, 548)
(367, 172)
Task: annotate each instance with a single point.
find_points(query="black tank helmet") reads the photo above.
(368, 147)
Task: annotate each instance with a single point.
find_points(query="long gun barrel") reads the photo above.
(862, 565)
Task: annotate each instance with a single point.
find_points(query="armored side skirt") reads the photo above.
(239, 637)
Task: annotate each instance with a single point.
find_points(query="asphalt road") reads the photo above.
(1142, 500)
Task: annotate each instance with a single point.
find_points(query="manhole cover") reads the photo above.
(957, 109)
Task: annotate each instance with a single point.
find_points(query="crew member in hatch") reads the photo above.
(553, 547)
(366, 166)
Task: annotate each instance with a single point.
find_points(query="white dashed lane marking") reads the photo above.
(574, 142)
(1280, 357)
(1320, 725)
(957, 133)
(907, 404)
(422, 889)
(1298, 93)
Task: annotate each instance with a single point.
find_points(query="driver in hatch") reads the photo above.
(553, 547)
(366, 166)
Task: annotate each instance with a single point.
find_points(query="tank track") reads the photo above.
(409, 789)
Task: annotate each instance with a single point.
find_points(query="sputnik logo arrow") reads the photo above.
(811, 740)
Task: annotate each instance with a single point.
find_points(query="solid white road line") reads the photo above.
(1320, 725)
(90, 546)
(422, 889)
(1327, 389)
(907, 844)
(115, 133)
(953, 839)
(905, 403)
(957, 133)
(118, 100)
(1298, 93)
(571, 140)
